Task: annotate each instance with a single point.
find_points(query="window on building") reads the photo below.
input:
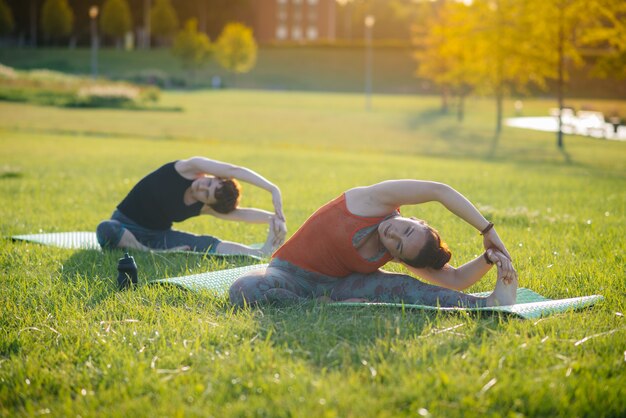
(312, 33)
(296, 33)
(281, 32)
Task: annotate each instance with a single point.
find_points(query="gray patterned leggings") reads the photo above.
(110, 232)
(282, 282)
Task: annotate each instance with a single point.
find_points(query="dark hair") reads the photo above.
(434, 254)
(227, 196)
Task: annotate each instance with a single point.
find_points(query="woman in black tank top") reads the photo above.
(183, 189)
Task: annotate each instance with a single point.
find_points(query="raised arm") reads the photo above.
(253, 215)
(384, 197)
(196, 166)
(460, 278)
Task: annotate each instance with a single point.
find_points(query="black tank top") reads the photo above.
(158, 199)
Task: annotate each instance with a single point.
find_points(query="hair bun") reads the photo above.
(441, 257)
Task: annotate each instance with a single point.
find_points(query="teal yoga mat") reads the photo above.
(83, 240)
(529, 304)
(217, 281)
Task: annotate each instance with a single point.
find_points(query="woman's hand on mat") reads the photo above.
(506, 271)
(492, 240)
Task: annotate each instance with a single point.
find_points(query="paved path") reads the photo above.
(550, 124)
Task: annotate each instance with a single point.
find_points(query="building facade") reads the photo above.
(294, 20)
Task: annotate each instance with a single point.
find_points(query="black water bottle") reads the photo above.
(127, 272)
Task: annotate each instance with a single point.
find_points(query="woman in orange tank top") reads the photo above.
(337, 253)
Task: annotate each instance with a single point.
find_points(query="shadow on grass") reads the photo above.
(426, 117)
(442, 136)
(327, 337)
(101, 267)
(334, 337)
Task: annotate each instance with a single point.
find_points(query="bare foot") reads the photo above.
(271, 244)
(504, 294)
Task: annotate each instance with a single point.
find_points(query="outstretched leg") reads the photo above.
(384, 286)
(270, 245)
(265, 285)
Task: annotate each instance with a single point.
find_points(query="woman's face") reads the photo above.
(203, 189)
(403, 237)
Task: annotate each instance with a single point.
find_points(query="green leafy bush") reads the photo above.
(58, 89)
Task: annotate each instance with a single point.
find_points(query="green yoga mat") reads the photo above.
(528, 305)
(83, 240)
(217, 281)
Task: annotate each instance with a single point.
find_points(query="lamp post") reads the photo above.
(369, 25)
(93, 15)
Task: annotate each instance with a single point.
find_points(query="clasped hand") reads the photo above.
(506, 271)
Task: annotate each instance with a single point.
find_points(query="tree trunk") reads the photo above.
(147, 5)
(202, 16)
(496, 135)
(460, 114)
(559, 134)
(499, 100)
(444, 100)
(33, 23)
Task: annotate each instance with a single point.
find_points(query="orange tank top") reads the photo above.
(323, 244)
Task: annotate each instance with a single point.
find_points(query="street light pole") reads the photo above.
(93, 14)
(369, 25)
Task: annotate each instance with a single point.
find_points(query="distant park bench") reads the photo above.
(584, 122)
(590, 122)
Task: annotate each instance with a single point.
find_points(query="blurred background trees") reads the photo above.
(236, 49)
(57, 20)
(116, 20)
(7, 22)
(192, 47)
(163, 21)
(499, 48)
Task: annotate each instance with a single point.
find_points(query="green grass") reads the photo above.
(52, 88)
(70, 344)
(282, 68)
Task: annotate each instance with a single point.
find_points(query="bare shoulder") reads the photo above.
(363, 201)
(188, 168)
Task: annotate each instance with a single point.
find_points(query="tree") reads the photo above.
(57, 19)
(507, 57)
(7, 23)
(192, 47)
(163, 20)
(116, 19)
(560, 32)
(236, 49)
(609, 29)
(443, 55)
(428, 37)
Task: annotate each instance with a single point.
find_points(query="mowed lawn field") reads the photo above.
(71, 345)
